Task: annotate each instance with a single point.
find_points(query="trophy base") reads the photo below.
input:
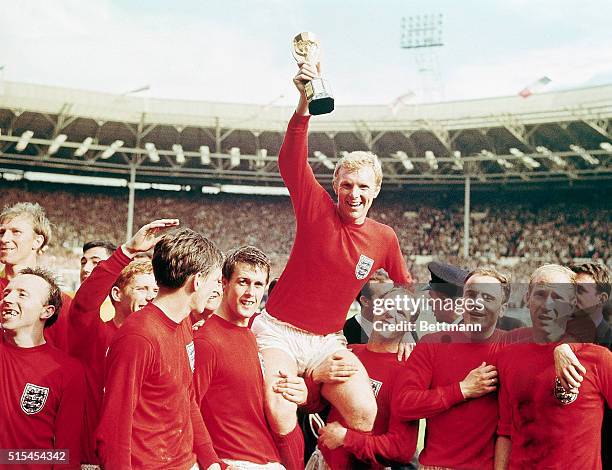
(320, 99)
(321, 105)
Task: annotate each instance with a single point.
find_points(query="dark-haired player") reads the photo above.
(131, 286)
(149, 415)
(227, 362)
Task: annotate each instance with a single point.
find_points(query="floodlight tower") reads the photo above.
(422, 34)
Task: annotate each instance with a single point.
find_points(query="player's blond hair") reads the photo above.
(37, 216)
(354, 161)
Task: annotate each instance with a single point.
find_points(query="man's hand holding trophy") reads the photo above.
(306, 51)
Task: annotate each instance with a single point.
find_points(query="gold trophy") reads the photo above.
(306, 48)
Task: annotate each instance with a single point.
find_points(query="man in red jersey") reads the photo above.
(25, 232)
(392, 441)
(149, 416)
(42, 388)
(336, 249)
(131, 286)
(451, 378)
(541, 425)
(228, 362)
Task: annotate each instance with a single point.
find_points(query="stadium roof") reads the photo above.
(560, 136)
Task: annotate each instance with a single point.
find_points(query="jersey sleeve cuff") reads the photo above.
(451, 394)
(353, 440)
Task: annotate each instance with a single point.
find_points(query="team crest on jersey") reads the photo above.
(564, 397)
(33, 398)
(375, 386)
(191, 355)
(364, 265)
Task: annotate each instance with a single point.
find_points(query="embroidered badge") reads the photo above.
(364, 265)
(563, 395)
(33, 398)
(376, 386)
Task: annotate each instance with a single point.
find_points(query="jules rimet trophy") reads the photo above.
(306, 48)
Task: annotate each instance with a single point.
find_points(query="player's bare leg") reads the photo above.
(281, 413)
(354, 398)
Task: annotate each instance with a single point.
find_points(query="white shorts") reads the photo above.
(245, 465)
(306, 348)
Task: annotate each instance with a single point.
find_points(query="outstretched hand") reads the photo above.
(149, 235)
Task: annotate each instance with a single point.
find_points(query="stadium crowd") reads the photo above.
(190, 374)
(517, 231)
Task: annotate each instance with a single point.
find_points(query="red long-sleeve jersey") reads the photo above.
(42, 392)
(149, 416)
(229, 389)
(544, 432)
(90, 337)
(460, 433)
(330, 260)
(392, 441)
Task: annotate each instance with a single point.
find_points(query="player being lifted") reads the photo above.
(335, 251)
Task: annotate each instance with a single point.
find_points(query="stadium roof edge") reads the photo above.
(563, 105)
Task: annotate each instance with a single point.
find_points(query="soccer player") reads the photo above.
(25, 232)
(228, 362)
(42, 388)
(592, 292)
(451, 379)
(94, 252)
(392, 441)
(357, 329)
(131, 286)
(149, 416)
(541, 425)
(334, 253)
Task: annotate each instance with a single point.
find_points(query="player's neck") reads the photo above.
(26, 337)
(175, 304)
(226, 313)
(11, 270)
(383, 345)
(119, 317)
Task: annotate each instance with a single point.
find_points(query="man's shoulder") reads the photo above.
(65, 364)
(379, 227)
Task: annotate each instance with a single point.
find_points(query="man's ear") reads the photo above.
(115, 294)
(363, 300)
(376, 192)
(48, 311)
(38, 242)
(603, 297)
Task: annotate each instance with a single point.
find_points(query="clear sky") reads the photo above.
(239, 50)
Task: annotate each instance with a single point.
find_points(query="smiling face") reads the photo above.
(242, 293)
(24, 305)
(356, 189)
(136, 294)
(397, 316)
(488, 302)
(18, 241)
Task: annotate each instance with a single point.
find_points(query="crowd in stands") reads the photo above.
(527, 233)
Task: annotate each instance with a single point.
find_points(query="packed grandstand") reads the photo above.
(539, 171)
